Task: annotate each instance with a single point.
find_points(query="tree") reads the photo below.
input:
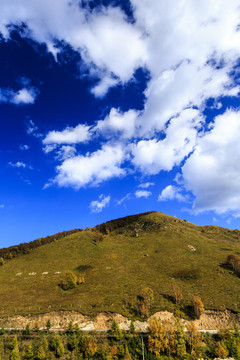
(26, 331)
(127, 355)
(132, 328)
(97, 237)
(157, 341)
(15, 350)
(69, 281)
(221, 350)
(148, 296)
(194, 340)
(48, 325)
(198, 306)
(115, 330)
(171, 338)
(29, 353)
(181, 351)
(41, 353)
(90, 347)
(178, 296)
(57, 346)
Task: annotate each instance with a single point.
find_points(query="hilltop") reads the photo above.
(145, 250)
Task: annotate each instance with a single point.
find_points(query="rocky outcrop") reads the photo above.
(210, 320)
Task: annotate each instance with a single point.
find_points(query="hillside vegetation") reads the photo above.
(146, 250)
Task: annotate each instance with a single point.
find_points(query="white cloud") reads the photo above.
(24, 147)
(154, 155)
(99, 35)
(32, 129)
(49, 148)
(190, 49)
(2, 206)
(171, 192)
(98, 205)
(69, 135)
(92, 169)
(18, 164)
(143, 193)
(103, 86)
(24, 96)
(118, 123)
(66, 152)
(124, 198)
(212, 172)
(146, 185)
(21, 97)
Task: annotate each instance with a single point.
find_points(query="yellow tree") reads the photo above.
(171, 338)
(198, 306)
(194, 340)
(177, 293)
(221, 350)
(157, 341)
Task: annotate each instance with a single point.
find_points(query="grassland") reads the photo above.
(145, 250)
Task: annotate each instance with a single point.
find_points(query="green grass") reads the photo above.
(120, 266)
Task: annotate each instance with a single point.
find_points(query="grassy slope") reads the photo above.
(119, 269)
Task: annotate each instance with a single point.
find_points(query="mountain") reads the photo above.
(117, 260)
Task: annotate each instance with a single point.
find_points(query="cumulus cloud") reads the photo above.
(154, 155)
(68, 136)
(171, 192)
(143, 193)
(21, 97)
(190, 50)
(118, 123)
(94, 168)
(99, 35)
(98, 205)
(212, 172)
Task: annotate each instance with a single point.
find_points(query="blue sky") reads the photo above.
(111, 108)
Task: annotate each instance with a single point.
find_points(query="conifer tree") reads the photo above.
(41, 353)
(181, 351)
(15, 350)
(157, 341)
(221, 350)
(127, 355)
(29, 353)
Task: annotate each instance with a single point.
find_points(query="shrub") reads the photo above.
(2, 262)
(81, 280)
(187, 274)
(69, 281)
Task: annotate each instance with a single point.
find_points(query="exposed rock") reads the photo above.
(210, 320)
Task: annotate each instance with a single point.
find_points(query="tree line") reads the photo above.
(164, 341)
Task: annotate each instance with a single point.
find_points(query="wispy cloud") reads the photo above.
(146, 185)
(97, 206)
(24, 147)
(20, 164)
(124, 198)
